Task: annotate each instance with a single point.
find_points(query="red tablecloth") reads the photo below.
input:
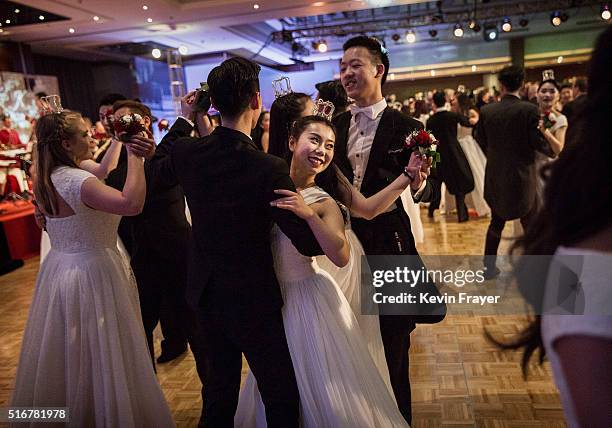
(22, 233)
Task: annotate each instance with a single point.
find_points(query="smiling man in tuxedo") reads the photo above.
(367, 133)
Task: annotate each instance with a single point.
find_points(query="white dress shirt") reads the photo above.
(362, 130)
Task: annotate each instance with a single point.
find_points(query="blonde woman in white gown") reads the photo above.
(84, 346)
(338, 380)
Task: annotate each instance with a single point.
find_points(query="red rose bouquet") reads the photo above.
(129, 125)
(549, 119)
(423, 142)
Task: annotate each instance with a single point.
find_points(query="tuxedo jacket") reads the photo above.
(454, 168)
(383, 167)
(508, 131)
(161, 229)
(229, 185)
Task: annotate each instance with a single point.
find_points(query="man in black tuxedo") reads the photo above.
(509, 133)
(454, 169)
(366, 134)
(159, 240)
(232, 286)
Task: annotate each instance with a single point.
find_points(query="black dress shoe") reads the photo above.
(491, 273)
(171, 354)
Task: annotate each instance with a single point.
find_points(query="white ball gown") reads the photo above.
(84, 345)
(338, 382)
(478, 161)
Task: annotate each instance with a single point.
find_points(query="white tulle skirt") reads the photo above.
(339, 384)
(349, 280)
(478, 162)
(84, 345)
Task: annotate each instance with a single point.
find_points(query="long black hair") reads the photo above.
(284, 111)
(577, 201)
(258, 131)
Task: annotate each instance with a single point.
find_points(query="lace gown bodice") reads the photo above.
(289, 264)
(87, 229)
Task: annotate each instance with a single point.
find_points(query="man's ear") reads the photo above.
(380, 70)
(256, 101)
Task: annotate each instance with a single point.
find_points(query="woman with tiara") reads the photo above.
(84, 347)
(553, 124)
(338, 381)
(286, 109)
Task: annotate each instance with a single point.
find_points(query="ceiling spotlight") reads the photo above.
(555, 18)
(255, 6)
(433, 73)
(473, 68)
(490, 32)
(507, 25)
(183, 50)
(322, 46)
(17, 11)
(395, 37)
(149, 20)
(8, 21)
(41, 17)
(472, 24)
(145, 7)
(96, 18)
(605, 13)
(71, 30)
(559, 60)
(458, 31)
(433, 33)
(156, 53)
(410, 37)
(524, 22)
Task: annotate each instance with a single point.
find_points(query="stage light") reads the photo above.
(490, 33)
(145, 7)
(524, 22)
(507, 25)
(96, 18)
(605, 13)
(555, 18)
(41, 17)
(433, 73)
(17, 11)
(8, 21)
(71, 30)
(255, 6)
(559, 60)
(410, 37)
(433, 33)
(320, 46)
(458, 31)
(473, 68)
(156, 53)
(149, 20)
(183, 50)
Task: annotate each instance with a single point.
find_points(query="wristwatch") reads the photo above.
(407, 174)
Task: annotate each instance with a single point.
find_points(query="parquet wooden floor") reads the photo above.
(458, 378)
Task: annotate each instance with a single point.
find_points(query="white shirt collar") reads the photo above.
(372, 111)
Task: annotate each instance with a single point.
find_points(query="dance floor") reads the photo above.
(458, 378)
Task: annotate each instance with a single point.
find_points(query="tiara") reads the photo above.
(324, 109)
(51, 104)
(548, 75)
(282, 86)
(461, 88)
